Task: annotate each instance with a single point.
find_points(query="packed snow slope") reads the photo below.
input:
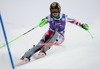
(78, 51)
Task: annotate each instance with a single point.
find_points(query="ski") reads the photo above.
(33, 58)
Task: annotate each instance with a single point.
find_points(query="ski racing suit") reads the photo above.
(54, 24)
(58, 24)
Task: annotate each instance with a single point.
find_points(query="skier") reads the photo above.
(55, 34)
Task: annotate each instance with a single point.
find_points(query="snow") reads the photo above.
(78, 51)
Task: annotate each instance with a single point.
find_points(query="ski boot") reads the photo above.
(25, 59)
(41, 54)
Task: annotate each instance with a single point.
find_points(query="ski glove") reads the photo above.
(43, 22)
(84, 26)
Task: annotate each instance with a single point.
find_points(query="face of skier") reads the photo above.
(55, 12)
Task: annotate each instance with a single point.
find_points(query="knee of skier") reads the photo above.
(60, 40)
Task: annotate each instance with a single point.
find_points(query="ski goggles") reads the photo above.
(54, 11)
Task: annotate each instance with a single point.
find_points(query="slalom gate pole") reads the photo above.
(50, 44)
(6, 40)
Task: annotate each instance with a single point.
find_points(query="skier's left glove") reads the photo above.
(43, 22)
(84, 26)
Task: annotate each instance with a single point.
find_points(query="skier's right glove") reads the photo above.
(43, 22)
(84, 26)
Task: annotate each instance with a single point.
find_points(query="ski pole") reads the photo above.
(90, 34)
(42, 23)
(18, 37)
(87, 28)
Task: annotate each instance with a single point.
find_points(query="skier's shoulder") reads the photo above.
(63, 14)
(48, 17)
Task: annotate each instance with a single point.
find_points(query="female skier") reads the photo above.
(57, 22)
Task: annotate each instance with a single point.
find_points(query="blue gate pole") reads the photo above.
(10, 56)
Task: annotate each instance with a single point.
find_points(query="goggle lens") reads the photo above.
(55, 11)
